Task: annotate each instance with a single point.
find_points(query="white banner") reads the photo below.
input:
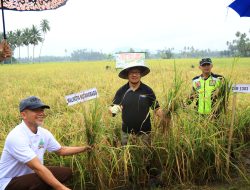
(83, 96)
(241, 88)
(125, 59)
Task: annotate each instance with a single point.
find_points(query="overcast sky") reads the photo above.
(113, 25)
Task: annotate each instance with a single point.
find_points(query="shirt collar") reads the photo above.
(28, 131)
(211, 74)
(140, 86)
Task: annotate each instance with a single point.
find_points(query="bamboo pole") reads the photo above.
(230, 135)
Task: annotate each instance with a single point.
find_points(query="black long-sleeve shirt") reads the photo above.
(136, 104)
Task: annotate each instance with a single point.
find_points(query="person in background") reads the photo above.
(205, 87)
(21, 164)
(5, 51)
(133, 100)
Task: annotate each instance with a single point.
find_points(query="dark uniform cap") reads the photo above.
(205, 61)
(31, 103)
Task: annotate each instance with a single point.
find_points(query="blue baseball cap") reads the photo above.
(31, 103)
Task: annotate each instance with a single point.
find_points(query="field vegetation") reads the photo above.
(190, 149)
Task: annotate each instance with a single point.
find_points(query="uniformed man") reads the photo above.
(205, 87)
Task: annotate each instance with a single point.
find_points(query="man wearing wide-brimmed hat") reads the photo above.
(134, 100)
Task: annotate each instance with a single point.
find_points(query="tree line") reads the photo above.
(239, 47)
(35, 35)
(28, 36)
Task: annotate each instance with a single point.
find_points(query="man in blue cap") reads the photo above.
(21, 164)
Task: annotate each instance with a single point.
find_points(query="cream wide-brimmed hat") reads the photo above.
(143, 68)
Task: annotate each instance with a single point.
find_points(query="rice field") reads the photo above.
(190, 150)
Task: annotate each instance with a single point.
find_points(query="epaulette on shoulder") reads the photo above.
(217, 76)
(196, 77)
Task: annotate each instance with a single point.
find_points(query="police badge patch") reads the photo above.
(198, 85)
(212, 82)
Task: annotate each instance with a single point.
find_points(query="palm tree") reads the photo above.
(44, 28)
(19, 41)
(12, 41)
(35, 38)
(26, 36)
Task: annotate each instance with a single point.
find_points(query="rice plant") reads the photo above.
(193, 150)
